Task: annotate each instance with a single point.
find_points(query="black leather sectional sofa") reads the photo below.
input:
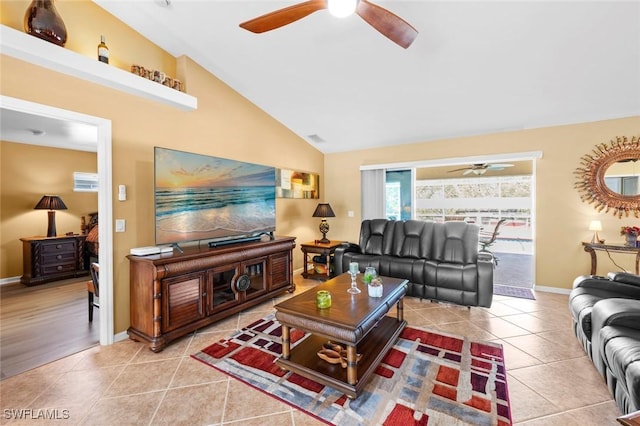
(440, 260)
(606, 320)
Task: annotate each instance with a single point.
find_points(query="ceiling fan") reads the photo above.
(388, 24)
(482, 168)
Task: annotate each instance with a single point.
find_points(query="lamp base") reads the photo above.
(51, 229)
(324, 228)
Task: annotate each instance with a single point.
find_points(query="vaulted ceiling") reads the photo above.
(476, 67)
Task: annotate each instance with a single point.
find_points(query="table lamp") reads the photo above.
(324, 210)
(595, 226)
(51, 203)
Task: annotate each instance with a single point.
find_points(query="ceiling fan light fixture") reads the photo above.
(342, 8)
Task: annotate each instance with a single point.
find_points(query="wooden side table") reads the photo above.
(317, 248)
(591, 248)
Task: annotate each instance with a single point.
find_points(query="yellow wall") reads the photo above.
(562, 219)
(27, 172)
(225, 125)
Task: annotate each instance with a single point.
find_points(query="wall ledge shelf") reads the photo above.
(31, 49)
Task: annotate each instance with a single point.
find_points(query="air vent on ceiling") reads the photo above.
(315, 138)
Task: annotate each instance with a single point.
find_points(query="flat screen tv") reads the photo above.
(200, 197)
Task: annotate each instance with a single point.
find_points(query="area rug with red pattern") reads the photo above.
(427, 378)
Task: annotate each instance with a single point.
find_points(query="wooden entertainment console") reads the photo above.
(176, 293)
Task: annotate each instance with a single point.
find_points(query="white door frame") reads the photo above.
(105, 196)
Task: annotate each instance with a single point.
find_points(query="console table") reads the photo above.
(592, 248)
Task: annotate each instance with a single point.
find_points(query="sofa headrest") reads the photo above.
(455, 242)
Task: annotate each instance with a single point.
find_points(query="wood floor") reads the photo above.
(44, 323)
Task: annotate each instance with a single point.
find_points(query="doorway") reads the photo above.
(514, 247)
(101, 144)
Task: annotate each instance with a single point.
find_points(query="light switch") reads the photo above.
(350, 213)
(120, 225)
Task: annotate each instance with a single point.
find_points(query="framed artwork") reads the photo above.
(294, 184)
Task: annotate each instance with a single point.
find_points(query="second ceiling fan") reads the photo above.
(387, 23)
(482, 168)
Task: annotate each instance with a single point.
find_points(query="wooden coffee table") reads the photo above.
(357, 321)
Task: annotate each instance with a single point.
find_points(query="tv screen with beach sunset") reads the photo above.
(200, 197)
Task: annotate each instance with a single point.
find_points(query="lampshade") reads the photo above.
(324, 210)
(50, 202)
(595, 226)
(342, 8)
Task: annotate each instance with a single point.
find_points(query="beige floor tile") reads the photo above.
(192, 405)
(526, 403)
(244, 402)
(465, 328)
(569, 384)
(596, 415)
(105, 356)
(78, 387)
(414, 319)
(175, 349)
(440, 315)
(516, 358)
(193, 372)
(533, 323)
(303, 419)
(499, 327)
(545, 350)
(18, 391)
(144, 377)
(123, 411)
(281, 419)
(523, 305)
(500, 309)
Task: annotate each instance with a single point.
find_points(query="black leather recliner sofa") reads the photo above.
(440, 260)
(606, 320)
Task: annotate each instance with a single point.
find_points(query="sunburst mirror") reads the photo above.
(609, 177)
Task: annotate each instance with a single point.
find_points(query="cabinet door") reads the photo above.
(223, 290)
(253, 278)
(182, 300)
(280, 273)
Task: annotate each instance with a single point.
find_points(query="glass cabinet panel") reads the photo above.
(255, 273)
(223, 291)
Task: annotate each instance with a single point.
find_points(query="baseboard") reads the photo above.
(556, 290)
(10, 280)
(120, 336)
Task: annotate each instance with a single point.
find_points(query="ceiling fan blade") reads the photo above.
(282, 17)
(498, 166)
(388, 24)
(458, 170)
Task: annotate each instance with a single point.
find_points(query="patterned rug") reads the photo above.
(427, 378)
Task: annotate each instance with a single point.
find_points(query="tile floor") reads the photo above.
(551, 380)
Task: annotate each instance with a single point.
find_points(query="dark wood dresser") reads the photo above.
(46, 259)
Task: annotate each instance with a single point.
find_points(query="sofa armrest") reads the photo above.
(622, 286)
(614, 311)
(485, 267)
(624, 277)
(339, 252)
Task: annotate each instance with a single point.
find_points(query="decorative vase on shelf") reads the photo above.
(631, 240)
(43, 21)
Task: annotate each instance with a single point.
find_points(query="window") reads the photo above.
(85, 182)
